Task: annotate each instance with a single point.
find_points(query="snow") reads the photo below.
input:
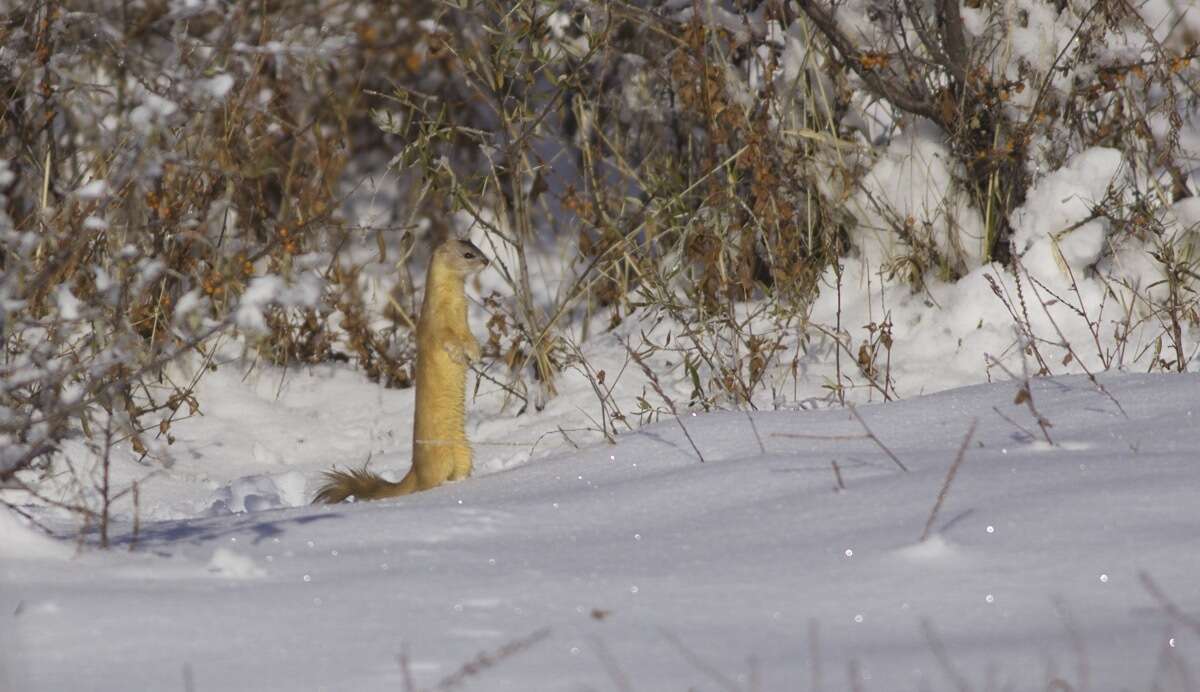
(96, 189)
(1064, 560)
(234, 565)
(154, 110)
(7, 176)
(69, 307)
(790, 557)
(188, 303)
(261, 292)
(271, 289)
(215, 88)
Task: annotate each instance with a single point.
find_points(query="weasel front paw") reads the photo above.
(463, 355)
(473, 351)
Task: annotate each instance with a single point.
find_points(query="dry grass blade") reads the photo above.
(406, 670)
(950, 474)
(1025, 396)
(619, 679)
(666, 399)
(1034, 284)
(1075, 637)
(938, 647)
(485, 660)
(814, 654)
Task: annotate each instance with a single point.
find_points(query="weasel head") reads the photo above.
(460, 256)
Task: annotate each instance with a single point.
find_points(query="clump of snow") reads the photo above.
(257, 493)
(911, 194)
(185, 9)
(7, 176)
(1052, 232)
(97, 189)
(1142, 277)
(799, 76)
(560, 27)
(233, 565)
(264, 291)
(188, 303)
(933, 550)
(215, 88)
(714, 15)
(1183, 224)
(148, 269)
(69, 307)
(153, 111)
(1037, 32)
(1034, 38)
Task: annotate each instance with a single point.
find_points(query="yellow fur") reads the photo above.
(445, 346)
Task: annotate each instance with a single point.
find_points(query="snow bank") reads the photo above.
(1054, 232)
(19, 540)
(752, 564)
(910, 196)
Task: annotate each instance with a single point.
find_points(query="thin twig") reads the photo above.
(837, 474)
(1013, 423)
(137, 515)
(804, 436)
(876, 440)
(406, 670)
(814, 654)
(1169, 607)
(754, 428)
(854, 675)
(943, 658)
(609, 662)
(699, 663)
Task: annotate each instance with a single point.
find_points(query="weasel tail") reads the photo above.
(445, 347)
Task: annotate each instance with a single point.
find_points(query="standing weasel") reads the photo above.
(445, 346)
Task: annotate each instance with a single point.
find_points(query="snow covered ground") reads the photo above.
(637, 565)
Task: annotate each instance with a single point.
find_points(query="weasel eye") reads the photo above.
(469, 255)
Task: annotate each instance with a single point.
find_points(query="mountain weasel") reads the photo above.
(445, 347)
